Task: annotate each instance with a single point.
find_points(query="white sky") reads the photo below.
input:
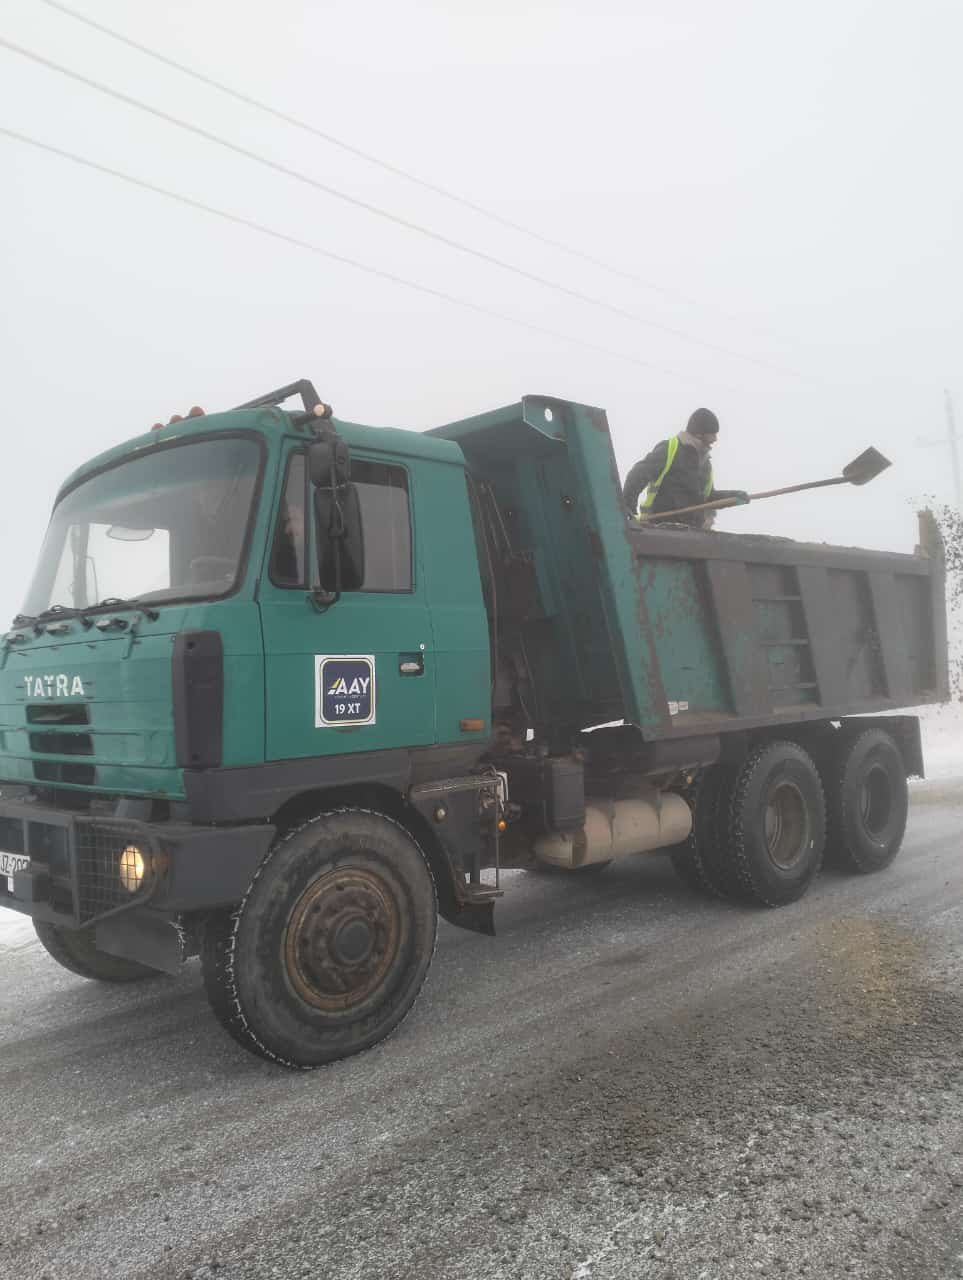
(793, 171)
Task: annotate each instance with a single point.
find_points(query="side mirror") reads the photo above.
(327, 453)
(340, 538)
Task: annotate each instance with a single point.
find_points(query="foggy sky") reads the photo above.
(787, 175)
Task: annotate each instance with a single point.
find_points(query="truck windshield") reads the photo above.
(170, 525)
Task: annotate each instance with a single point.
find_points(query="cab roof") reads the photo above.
(268, 422)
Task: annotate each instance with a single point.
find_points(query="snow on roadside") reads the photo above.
(16, 931)
(942, 730)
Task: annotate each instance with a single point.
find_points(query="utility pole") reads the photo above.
(954, 449)
(952, 441)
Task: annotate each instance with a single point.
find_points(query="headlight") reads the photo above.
(132, 868)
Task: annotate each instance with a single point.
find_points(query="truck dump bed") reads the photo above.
(679, 631)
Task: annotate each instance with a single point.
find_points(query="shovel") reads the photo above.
(860, 471)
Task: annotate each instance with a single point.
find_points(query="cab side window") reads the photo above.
(288, 554)
(386, 526)
(386, 520)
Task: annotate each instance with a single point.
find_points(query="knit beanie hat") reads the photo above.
(703, 423)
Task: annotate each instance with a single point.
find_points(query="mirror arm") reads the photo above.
(322, 601)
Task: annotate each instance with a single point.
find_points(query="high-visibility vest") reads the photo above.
(652, 490)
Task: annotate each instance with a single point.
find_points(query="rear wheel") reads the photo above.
(331, 945)
(701, 862)
(74, 949)
(776, 824)
(867, 801)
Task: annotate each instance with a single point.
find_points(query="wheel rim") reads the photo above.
(787, 825)
(342, 939)
(875, 801)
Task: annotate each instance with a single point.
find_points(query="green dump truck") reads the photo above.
(285, 687)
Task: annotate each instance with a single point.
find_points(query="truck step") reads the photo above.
(483, 893)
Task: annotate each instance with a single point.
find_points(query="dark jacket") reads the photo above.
(684, 486)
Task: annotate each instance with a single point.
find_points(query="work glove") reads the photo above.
(740, 496)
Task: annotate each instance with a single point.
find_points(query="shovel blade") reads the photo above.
(866, 467)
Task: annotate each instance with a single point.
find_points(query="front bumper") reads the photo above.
(73, 877)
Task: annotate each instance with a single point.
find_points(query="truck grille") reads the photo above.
(62, 771)
(11, 835)
(58, 713)
(53, 731)
(62, 744)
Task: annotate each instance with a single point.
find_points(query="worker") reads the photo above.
(678, 473)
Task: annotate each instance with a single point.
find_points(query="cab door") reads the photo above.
(358, 675)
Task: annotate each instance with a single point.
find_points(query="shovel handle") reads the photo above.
(720, 503)
(684, 511)
(798, 488)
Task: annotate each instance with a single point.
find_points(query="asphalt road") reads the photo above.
(627, 1082)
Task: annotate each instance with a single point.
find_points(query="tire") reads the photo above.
(701, 862)
(74, 949)
(328, 950)
(776, 828)
(867, 801)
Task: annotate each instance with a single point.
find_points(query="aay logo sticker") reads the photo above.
(344, 690)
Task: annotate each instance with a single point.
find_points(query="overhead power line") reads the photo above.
(316, 249)
(379, 212)
(400, 172)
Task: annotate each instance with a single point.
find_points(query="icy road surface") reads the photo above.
(627, 1082)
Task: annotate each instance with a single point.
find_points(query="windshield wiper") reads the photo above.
(55, 611)
(115, 602)
(58, 611)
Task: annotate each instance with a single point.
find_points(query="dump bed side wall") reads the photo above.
(790, 631)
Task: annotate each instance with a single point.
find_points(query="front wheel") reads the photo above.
(331, 945)
(74, 949)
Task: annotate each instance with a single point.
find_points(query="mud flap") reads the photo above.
(478, 917)
(147, 937)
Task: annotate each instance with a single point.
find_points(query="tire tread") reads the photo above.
(751, 886)
(835, 770)
(701, 862)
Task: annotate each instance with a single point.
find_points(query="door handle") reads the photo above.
(411, 664)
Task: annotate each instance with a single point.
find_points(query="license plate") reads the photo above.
(10, 863)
